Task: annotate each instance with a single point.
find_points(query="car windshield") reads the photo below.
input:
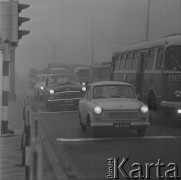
(113, 91)
(83, 73)
(173, 60)
(63, 79)
(42, 78)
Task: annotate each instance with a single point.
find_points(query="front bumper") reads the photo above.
(72, 102)
(62, 100)
(131, 125)
(171, 104)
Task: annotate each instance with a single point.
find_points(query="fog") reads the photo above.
(65, 30)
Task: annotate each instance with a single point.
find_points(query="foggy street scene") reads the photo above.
(90, 89)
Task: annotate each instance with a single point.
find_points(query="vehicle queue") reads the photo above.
(150, 72)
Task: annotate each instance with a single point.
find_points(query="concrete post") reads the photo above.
(12, 93)
(5, 88)
(1, 85)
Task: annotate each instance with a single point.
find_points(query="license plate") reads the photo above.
(121, 125)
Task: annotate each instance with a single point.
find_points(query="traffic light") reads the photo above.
(5, 21)
(17, 21)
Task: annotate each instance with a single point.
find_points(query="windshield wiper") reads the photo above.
(176, 60)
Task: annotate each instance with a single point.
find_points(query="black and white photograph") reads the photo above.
(90, 89)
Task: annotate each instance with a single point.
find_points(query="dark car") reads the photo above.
(63, 90)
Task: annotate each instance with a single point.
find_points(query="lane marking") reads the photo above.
(116, 138)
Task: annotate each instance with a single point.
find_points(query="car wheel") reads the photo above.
(46, 104)
(141, 132)
(35, 96)
(83, 126)
(93, 132)
(51, 107)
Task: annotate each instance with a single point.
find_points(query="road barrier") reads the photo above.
(30, 143)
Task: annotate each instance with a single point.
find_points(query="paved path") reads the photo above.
(10, 146)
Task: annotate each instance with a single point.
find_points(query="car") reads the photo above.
(112, 105)
(63, 90)
(39, 85)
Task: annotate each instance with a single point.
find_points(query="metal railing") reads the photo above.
(30, 144)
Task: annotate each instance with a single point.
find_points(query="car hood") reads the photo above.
(67, 87)
(118, 103)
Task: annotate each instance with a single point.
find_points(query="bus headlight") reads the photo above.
(84, 88)
(144, 109)
(97, 110)
(178, 94)
(51, 91)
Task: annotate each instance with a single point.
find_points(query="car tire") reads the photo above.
(82, 126)
(51, 107)
(141, 132)
(93, 132)
(46, 104)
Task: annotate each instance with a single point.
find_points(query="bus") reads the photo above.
(100, 72)
(154, 68)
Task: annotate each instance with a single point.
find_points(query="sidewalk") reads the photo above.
(10, 149)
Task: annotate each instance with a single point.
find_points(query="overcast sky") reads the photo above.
(62, 30)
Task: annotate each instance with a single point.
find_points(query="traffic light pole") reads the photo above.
(1, 85)
(4, 82)
(12, 93)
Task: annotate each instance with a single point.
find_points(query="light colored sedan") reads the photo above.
(112, 104)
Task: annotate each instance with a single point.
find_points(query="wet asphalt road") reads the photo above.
(83, 157)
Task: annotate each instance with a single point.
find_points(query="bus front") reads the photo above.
(172, 79)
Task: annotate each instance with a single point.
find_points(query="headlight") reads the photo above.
(83, 83)
(178, 94)
(179, 111)
(97, 110)
(51, 91)
(144, 109)
(41, 87)
(84, 88)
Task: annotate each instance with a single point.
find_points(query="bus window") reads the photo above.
(159, 59)
(129, 61)
(173, 61)
(150, 59)
(122, 63)
(135, 61)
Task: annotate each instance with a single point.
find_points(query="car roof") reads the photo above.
(108, 83)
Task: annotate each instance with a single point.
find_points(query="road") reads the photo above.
(84, 158)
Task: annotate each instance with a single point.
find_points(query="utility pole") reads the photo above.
(54, 50)
(92, 41)
(148, 20)
(12, 94)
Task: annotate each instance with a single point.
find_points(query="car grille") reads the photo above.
(69, 94)
(121, 115)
